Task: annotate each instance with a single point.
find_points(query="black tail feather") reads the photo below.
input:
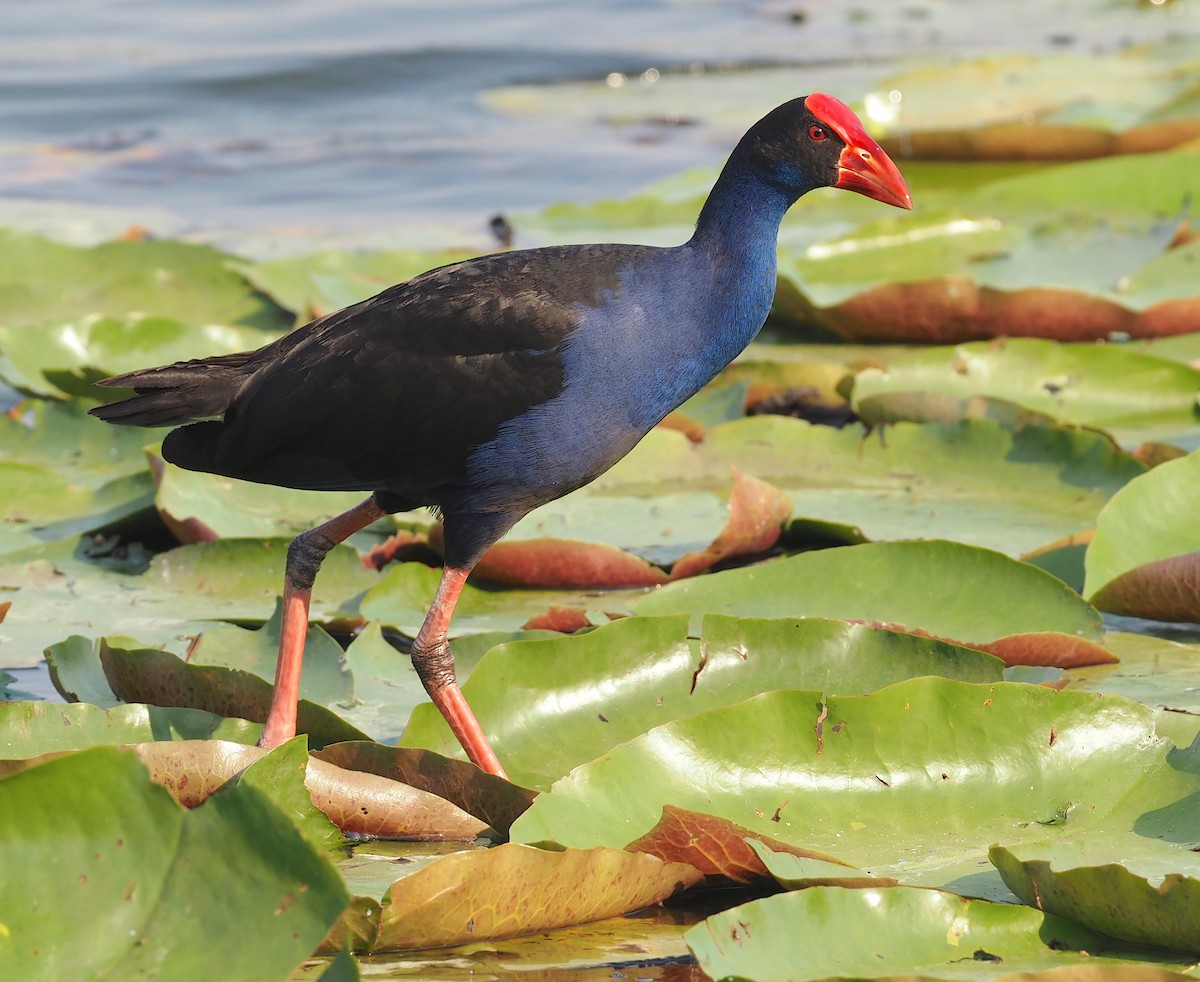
(185, 392)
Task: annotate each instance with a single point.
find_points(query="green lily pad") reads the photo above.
(1051, 105)
(830, 932)
(320, 283)
(914, 781)
(916, 584)
(57, 592)
(1145, 555)
(41, 505)
(973, 481)
(65, 357)
(1157, 673)
(95, 842)
(30, 729)
(1095, 385)
(1151, 896)
(548, 706)
(210, 506)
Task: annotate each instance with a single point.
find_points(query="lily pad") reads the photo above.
(1052, 105)
(1151, 896)
(915, 584)
(914, 781)
(1094, 385)
(513, 889)
(1145, 557)
(830, 932)
(66, 357)
(319, 283)
(202, 507)
(95, 841)
(548, 706)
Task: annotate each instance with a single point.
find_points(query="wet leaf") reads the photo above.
(355, 801)
(548, 706)
(67, 357)
(917, 584)
(160, 678)
(322, 282)
(795, 871)
(46, 281)
(30, 729)
(914, 781)
(494, 800)
(833, 932)
(512, 890)
(1145, 557)
(1150, 897)
(1096, 385)
(95, 842)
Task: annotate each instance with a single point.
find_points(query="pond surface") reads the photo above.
(305, 119)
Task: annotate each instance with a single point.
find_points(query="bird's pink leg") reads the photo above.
(434, 663)
(304, 558)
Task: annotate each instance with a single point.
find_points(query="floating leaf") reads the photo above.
(1096, 385)
(829, 932)
(497, 802)
(1150, 897)
(548, 706)
(916, 584)
(914, 781)
(31, 729)
(512, 890)
(160, 678)
(714, 846)
(92, 840)
(1145, 557)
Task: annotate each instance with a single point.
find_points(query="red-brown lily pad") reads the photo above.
(715, 846)
(356, 801)
(494, 800)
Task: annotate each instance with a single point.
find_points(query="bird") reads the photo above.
(488, 387)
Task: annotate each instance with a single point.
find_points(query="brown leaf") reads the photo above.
(757, 513)
(4, 607)
(1164, 590)
(675, 420)
(161, 679)
(566, 620)
(1152, 454)
(400, 547)
(1039, 141)
(1048, 649)
(562, 563)
(715, 846)
(517, 889)
(1044, 649)
(355, 802)
(496, 801)
(1082, 538)
(952, 309)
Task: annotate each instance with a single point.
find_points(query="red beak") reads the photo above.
(863, 166)
(870, 171)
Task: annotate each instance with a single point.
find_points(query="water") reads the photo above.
(301, 119)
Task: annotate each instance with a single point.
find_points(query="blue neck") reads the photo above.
(733, 253)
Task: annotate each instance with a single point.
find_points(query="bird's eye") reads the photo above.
(816, 134)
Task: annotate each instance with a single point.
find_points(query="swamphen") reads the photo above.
(489, 387)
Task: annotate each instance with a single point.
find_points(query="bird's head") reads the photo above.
(817, 141)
